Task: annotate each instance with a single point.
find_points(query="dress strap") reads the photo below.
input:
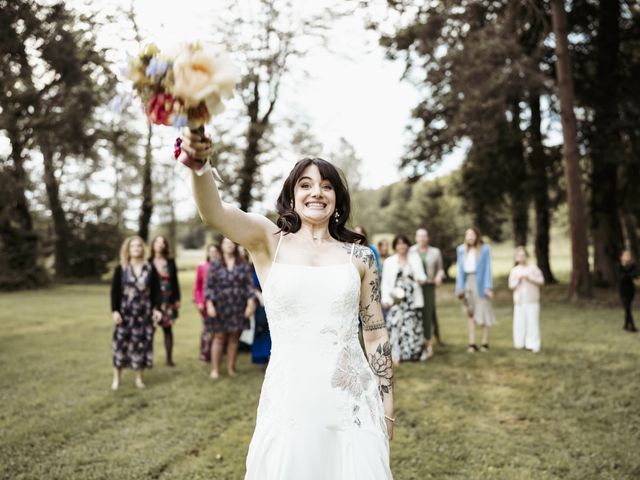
(275, 256)
(353, 246)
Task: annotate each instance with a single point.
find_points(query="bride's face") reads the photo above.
(314, 198)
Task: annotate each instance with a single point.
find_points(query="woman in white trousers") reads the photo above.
(525, 281)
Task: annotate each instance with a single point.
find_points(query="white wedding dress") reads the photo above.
(320, 415)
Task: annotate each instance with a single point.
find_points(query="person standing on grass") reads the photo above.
(212, 254)
(525, 281)
(230, 303)
(627, 272)
(135, 307)
(359, 229)
(474, 286)
(402, 276)
(261, 346)
(164, 263)
(383, 251)
(431, 259)
(325, 410)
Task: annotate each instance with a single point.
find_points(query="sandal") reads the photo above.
(472, 348)
(484, 347)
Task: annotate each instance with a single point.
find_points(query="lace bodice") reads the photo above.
(313, 320)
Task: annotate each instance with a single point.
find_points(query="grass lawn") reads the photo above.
(570, 412)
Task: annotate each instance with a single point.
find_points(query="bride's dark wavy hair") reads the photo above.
(288, 219)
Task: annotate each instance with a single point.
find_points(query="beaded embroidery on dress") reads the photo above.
(320, 415)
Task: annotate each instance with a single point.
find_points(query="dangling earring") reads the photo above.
(336, 216)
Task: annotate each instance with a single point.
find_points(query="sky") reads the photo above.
(349, 91)
(360, 97)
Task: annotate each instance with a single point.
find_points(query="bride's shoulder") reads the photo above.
(362, 254)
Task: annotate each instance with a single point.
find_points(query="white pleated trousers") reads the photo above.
(526, 326)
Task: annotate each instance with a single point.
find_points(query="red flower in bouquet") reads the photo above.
(161, 107)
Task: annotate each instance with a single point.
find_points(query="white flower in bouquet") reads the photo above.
(201, 74)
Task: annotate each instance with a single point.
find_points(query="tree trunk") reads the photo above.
(19, 263)
(580, 286)
(147, 188)
(249, 166)
(518, 185)
(18, 177)
(540, 190)
(60, 226)
(606, 148)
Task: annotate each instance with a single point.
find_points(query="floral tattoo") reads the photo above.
(382, 367)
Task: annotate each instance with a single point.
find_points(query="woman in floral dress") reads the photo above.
(402, 275)
(230, 301)
(135, 305)
(162, 259)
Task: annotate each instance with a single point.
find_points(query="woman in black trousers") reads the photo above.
(627, 272)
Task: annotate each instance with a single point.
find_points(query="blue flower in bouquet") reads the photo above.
(156, 67)
(180, 121)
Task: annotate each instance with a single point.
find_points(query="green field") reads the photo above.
(570, 412)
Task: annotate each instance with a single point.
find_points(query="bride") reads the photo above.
(326, 409)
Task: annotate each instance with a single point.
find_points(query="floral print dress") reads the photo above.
(134, 296)
(404, 323)
(229, 290)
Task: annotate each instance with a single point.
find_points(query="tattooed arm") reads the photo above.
(376, 338)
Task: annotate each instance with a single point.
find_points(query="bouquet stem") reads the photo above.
(193, 163)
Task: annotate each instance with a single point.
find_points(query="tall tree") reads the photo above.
(267, 36)
(580, 285)
(605, 146)
(477, 73)
(18, 96)
(147, 201)
(146, 209)
(538, 160)
(67, 79)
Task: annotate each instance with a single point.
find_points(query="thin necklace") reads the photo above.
(320, 239)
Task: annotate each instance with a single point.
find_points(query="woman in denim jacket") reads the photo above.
(474, 286)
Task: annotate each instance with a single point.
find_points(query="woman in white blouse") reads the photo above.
(525, 281)
(402, 275)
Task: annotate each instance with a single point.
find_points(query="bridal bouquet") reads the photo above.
(183, 87)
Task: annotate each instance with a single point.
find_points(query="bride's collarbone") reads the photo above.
(303, 252)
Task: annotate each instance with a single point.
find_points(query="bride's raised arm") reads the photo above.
(251, 230)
